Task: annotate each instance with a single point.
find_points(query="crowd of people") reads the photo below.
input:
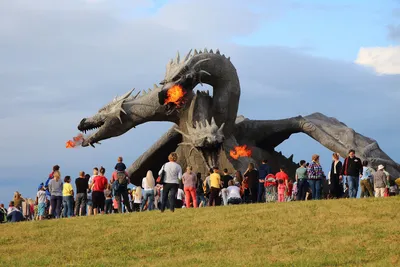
(95, 194)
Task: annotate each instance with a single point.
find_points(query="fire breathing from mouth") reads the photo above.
(75, 142)
(240, 151)
(175, 95)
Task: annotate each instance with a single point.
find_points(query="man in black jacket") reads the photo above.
(351, 172)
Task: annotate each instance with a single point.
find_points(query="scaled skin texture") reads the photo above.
(206, 128)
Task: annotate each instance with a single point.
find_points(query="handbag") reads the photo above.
(161, 178)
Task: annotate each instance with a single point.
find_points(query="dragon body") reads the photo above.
(206, 128)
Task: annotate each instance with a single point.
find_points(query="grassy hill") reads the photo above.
(321, 233)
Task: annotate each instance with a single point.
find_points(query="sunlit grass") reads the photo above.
(322, 233)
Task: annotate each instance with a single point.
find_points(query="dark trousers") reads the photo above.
(254, 193)
(302, 187)
(109, 207)
(261, 192)
(80, 204)
(55, 202)
(214, 195)
(169, 193)
(124, 194)
(336, 189)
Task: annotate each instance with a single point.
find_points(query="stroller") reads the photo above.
(271, 194)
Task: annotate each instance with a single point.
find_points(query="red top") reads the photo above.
(100, 183)
(282, 176)
(290, 188)
(114, 177)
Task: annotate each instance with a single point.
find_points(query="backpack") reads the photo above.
(206, 188)
(121, 177)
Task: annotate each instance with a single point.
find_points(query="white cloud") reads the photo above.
(384, 60)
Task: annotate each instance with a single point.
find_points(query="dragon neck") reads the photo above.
(146, 108)
(226, 87)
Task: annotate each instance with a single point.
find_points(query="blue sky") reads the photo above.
(62, 62)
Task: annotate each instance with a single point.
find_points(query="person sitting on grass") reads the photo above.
(14, 214)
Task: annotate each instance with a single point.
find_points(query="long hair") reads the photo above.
(315, 158)
(57, 175)
(138, 192)
(251, 166)
(239, 177)
(17, 195)
(150, 179)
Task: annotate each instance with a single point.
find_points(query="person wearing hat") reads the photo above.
(41, 201)
(380, 181)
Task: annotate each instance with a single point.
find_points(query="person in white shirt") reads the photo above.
(172, 174)
(233, 193)
(148, 190)
(180, 196)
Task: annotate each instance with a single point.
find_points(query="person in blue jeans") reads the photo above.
(351, 172)
(148, 184)
(263, 171)
(315, 174)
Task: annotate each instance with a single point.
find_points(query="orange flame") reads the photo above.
(76, 141)
(175, 95)
(240, 151)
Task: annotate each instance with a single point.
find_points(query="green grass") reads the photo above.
(314, 233)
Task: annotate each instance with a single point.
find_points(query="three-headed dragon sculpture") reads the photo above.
(206, 128)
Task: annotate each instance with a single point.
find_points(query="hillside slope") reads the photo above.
(321, 233)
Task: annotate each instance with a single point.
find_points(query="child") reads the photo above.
(270, 188)
(289, 191)
(294, 191)
(138, 199)
(281, 190)
(120, 166)
(41, 202)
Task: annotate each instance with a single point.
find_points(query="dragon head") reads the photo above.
(110, 121)
(207, 139)
(184, 73)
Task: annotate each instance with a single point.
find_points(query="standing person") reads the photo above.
(148, 184)
(238, 178)
(252, 179)
(120, 183)
(180, 196)
(282, 175)
(215, 183)
(281, 190)
(351, 171)
(89, 197)
(301, 179)
(41, 201)
(55, 189)
(109, 201)
(315, 175)
(225, 183)
(82, 186)
(201, 201)
(380, 181)
(98, 186)
(336, 169)
(137, 201)
(189, 179)
(172, 173)
(263, 171)
(366, 187)
(68, 197)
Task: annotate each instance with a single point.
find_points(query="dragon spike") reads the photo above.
(122, 110)
(188, 55)
(125, 96)
(170, 62)
(182, 133)
(222, 127)
(217, 52)
(195, 52)
(229, 58)
(198, 125)
(213, 121)
(200, 51)
(207, 124)
(205, 50)
(138, 93)
(200, 61)
(190, 128)
(178, 57)
(211, 52)
(204, 72)
(155, 86)
(208, 92)
(119, 117)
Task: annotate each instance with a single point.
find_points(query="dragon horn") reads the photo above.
(188, 55)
